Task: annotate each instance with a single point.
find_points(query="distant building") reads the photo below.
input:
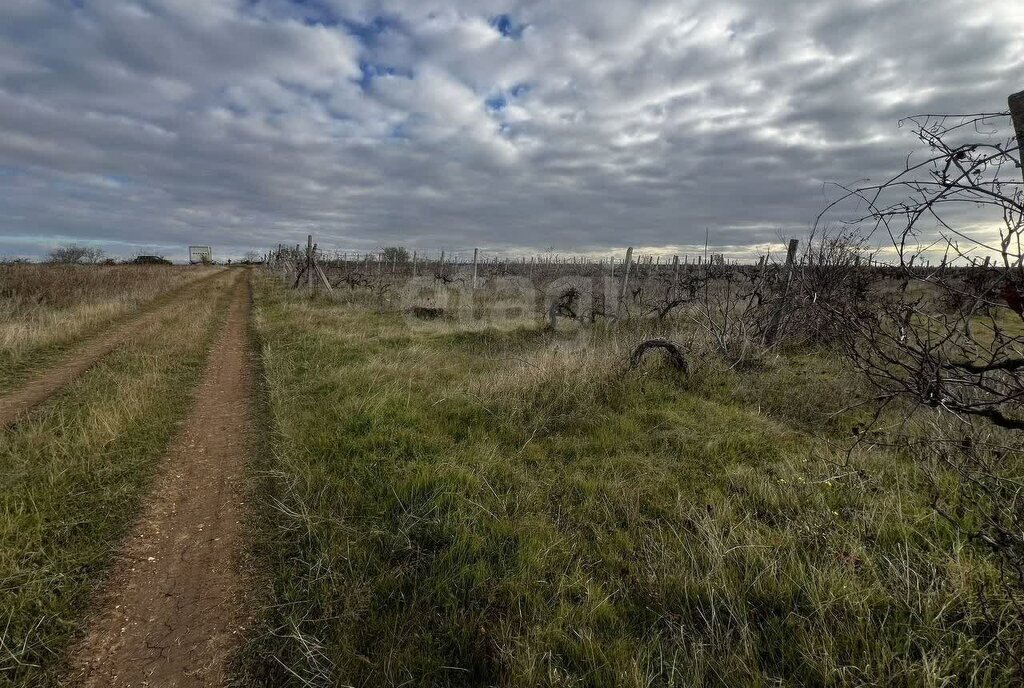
(200, 254)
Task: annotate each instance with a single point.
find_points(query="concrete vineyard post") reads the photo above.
(791, 253)
(625, 281)
(675, 275)
(309, 262)
(1016, 103)
(776, 321)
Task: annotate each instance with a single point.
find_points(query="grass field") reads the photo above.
(76, 469)
(512, 507)
(441, 503)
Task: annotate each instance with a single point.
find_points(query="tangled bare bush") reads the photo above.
(832, 275)
(949, 338)
(753, 309)
(70, 254)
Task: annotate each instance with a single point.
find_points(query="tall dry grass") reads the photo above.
(43, 306)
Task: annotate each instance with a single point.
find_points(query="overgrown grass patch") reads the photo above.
(518, 509)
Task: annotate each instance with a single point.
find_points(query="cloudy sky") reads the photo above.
(576, 125)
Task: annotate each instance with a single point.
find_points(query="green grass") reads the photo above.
(75, 471)
(451, 508)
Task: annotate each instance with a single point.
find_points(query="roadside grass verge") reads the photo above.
(76, 470)
(46, 310)
(513, 508)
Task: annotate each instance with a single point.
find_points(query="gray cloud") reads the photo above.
(151, 124)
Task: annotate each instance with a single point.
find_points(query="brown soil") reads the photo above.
(49, 382)
(173, 608)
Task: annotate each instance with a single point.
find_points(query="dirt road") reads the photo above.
(40, 388)
(172, 610)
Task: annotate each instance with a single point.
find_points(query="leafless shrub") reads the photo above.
(76, 253)
(566, 305)
(949, 339)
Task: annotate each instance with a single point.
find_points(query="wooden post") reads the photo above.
(647, 278)
(440, 264)
(309, 262)
(773, 326)
(475, 252)
(625, 281)
(413, 263)
(1016, 102)
(675, 275)
(323, 276)
(791, 253)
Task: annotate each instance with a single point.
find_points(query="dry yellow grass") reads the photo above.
(44, 305)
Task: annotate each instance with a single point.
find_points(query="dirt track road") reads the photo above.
(172, 608)
(44, 385)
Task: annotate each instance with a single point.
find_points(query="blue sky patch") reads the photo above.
(398, 132)
(372, 70)
(499, 101)
(496, 103)
(370, 32)
(316, 13)
(507, 27)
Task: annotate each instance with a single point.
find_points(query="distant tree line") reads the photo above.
(80, 254)
(76, 254)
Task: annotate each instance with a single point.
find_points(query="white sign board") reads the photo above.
(200, 254)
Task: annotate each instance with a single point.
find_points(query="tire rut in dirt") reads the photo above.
(173, 608)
